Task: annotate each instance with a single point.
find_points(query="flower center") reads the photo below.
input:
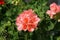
(25, 20)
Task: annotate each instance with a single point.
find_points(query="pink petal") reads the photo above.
(19, 28)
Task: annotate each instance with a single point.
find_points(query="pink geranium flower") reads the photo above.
(54, 7)
(27, 20)
(50, 13)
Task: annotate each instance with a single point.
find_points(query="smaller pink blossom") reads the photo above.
(50, 13)
(54, 7)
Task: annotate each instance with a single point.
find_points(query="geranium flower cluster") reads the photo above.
(54, 9)
(2, 2)
(27, 20)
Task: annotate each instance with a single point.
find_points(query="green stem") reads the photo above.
(26, 36)
(51, 37)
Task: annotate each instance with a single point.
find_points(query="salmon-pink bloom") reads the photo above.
(50, 13)
(54, 7)
(27, 20)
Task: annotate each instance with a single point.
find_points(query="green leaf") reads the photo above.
(2, 38)
(8, 1)
(1, 29)
(50, 27)
(58, 38)
(8, 13)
